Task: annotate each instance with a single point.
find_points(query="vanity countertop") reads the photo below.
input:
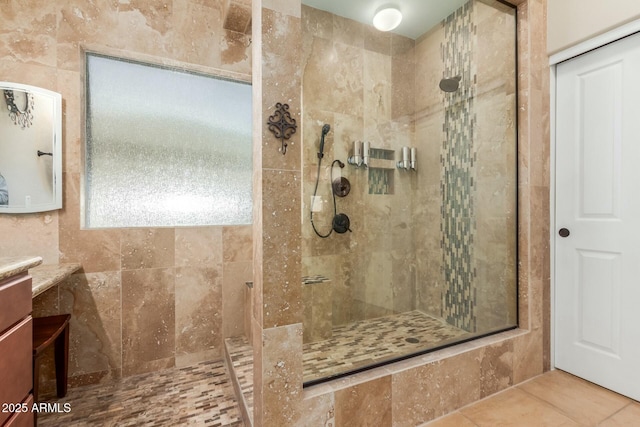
(48, 275)
(10, 266)
(43, 277)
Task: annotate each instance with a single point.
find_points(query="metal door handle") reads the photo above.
(564, 232)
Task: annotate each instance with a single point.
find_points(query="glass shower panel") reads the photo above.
(431, 258)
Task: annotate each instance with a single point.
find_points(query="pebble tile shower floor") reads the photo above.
(198, 395)
(367, 342)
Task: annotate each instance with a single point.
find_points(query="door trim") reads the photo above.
(596, 42)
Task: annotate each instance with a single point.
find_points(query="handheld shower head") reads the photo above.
(325, 130)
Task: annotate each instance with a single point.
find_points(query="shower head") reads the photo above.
(325, 130)
(451, 84)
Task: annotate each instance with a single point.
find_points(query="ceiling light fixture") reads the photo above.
(387, 18)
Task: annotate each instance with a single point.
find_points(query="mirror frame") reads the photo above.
(56, 148)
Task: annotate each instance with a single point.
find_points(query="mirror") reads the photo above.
(30, 149)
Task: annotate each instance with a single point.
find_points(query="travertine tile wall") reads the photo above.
(495, 178)
(430, 136)
(358, 80)
(362, 81)
(417, 390)
(146, 298)
(277, 184)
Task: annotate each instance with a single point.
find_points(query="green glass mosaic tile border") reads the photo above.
(457, 157)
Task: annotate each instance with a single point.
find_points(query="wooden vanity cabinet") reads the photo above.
(16, 354)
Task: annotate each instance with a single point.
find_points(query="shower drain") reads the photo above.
(412, 340)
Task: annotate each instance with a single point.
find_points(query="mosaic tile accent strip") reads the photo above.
(363, 343)
(199, 395)
(380, 181)
(312, 280)
(457, 157)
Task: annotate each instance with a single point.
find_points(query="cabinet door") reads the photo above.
(15, 365)
(22, 419)
(15, 300)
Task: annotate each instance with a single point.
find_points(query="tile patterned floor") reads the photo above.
(202, 396)
(199, 395)
(366, 342)
(555, 399)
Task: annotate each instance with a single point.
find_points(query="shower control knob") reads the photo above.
(341, 187)
(564, 232)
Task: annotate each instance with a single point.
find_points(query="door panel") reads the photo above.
(597, 310)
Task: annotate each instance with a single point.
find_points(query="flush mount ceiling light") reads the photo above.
(387, 18)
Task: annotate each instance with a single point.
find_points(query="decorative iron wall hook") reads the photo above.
(282, 125)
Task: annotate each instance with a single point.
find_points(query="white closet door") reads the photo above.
(597, 310)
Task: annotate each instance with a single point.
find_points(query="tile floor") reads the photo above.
(555, 399)
(202, 395)
(354, 346)
(198, 395)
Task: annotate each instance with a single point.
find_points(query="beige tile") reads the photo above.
(367, 404)
(95, 305)
(282, 294)
(47, 303)
(198, 313)
(281, 374)
(237, 17)
(496, 368)
(30, 235)
(235, 275)
(96, 250)
(629, 416)
(70, 86)
(427, 392)
(527, 355)
(515, 407)
(148, 320)
(454, 420)
(148, 248)
(37, 27)
(582, 401)
(318, 410)
(237, 243)
(198, 247)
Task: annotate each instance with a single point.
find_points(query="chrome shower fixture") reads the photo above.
(361, 153)
(356, 159)
(405, 162)
(414, 158)
(409, 158)
(366, 152)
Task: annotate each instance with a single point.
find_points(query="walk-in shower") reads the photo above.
(430, 258)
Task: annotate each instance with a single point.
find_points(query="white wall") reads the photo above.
(573, 21)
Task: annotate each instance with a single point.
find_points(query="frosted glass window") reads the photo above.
(165, 147)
